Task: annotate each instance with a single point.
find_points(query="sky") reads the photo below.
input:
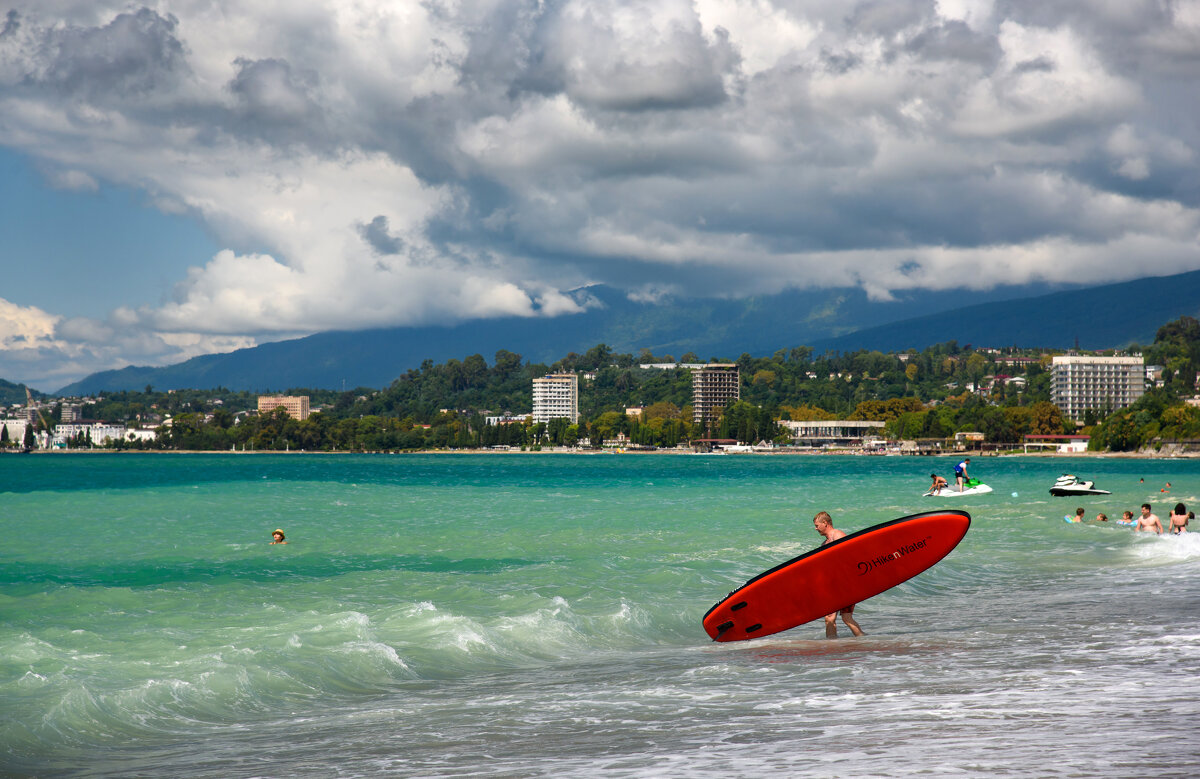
(186, 177)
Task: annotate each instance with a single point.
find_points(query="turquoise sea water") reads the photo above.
(539, 615)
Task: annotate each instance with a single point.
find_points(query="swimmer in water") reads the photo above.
(1177, 522)
(278, 537)
(1148, 521)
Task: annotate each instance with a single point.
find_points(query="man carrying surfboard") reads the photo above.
(824, 525)
(960, 473)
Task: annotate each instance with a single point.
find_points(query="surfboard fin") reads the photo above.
(722, 628)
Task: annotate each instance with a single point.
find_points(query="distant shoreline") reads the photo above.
(1141, 455)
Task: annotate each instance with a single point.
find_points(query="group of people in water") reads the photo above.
(1177, 522)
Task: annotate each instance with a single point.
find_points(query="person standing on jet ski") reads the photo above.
(960, 474)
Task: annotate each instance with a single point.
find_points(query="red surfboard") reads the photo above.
(831, 577)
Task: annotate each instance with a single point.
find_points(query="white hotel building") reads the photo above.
(1080, 383)
(99, 433)
(556, 395)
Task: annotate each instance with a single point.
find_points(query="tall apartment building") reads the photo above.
(295, 405)
(556, 395)
(1101, 383)
(713, 386)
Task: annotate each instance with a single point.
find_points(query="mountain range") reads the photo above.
(1096, 317)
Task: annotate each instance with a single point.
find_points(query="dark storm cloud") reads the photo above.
(886, 17)
(954, 40)
(134, 53)
(1044, 64)
(12, 23)
(268, 88)
(840, 63)
(276, 103)
(376, 233)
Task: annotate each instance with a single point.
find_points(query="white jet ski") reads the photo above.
(1067, 485)
(971, 487)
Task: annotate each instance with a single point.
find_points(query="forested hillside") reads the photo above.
(843, 320)
(933, 393)
(13, 393)
(444, 405)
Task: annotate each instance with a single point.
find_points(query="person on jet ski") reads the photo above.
(960, 474)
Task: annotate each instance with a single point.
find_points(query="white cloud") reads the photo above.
(1047, 78)
(765, 34)
(25, 327)
(72, 180)
(975, 13)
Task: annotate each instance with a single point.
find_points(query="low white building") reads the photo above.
(132, 435)
(837, 432)
(16, 430)
(505, 419)
(99, 433)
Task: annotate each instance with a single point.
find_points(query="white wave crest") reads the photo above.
(1167, 547)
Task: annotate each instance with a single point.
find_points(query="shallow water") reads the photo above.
(524, 615)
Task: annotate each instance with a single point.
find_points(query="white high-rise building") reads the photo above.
(556, 395)
(1098, 383)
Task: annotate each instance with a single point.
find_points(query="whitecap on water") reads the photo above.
(1167, 547)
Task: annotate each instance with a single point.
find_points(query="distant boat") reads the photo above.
(1067, 485)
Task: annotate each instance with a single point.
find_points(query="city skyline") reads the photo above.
(188, 178)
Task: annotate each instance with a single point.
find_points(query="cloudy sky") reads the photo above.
(189, 176)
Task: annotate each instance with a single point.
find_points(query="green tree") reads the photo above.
(1120, 433)
(932, 426)
(1046, 419)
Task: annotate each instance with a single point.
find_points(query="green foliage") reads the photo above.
(886, 410)
(443, 406)
(1158, 414)
(747, 422)
(15, 393)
